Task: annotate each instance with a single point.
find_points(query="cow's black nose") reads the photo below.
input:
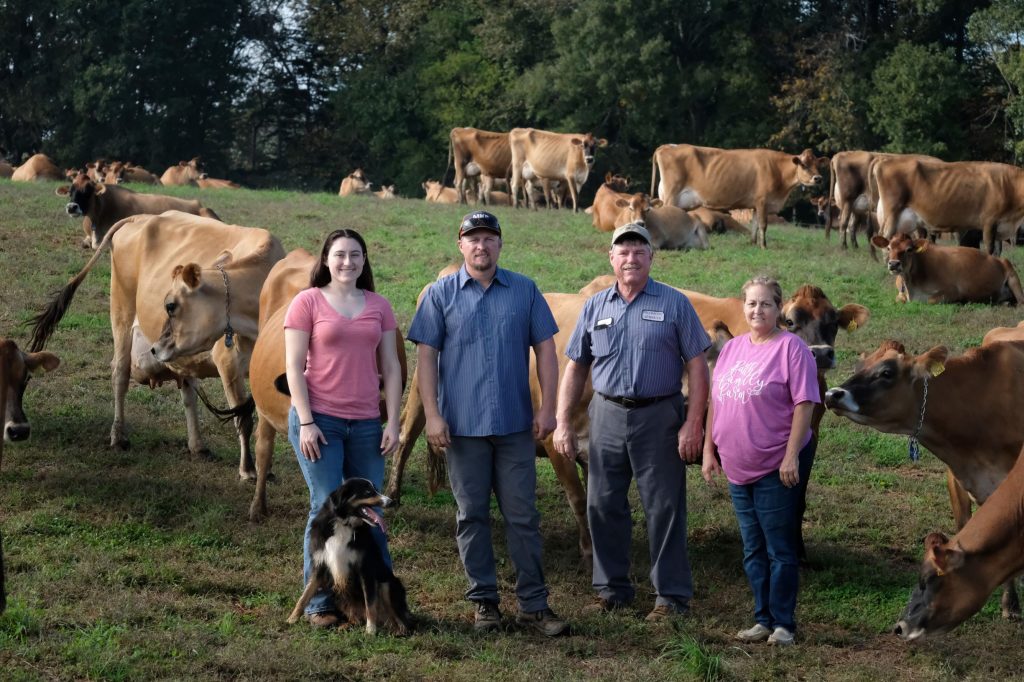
(15, 432)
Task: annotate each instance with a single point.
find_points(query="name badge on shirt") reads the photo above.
(653, 315)
(603, 323)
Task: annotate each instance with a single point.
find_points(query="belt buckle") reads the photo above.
(630, 403)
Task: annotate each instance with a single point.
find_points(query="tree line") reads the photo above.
(296, 93)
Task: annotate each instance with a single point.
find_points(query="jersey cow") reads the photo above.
(604, 210)
(267, 369)
(102, 205)
(726, 179)
(940, 401)
(354, 183)
(216, 183)
(119, 172)
(948, 274)
(480, 157)
(954, 197)
(16, 367)
(670, 226)
(957, 576)
(37, 167)
(185, 173)
(439, 194)
(193, 285)
(551, 156)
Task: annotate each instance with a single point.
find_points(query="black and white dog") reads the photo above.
(347, 560)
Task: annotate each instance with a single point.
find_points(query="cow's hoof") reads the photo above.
(258, 513)
(204, 454)
(120, 444)
(247, 475)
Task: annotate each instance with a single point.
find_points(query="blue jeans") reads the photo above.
(769, 516)
(352, 450)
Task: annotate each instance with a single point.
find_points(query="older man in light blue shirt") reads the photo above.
(475, 330)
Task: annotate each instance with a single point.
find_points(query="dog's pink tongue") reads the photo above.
(375, 519)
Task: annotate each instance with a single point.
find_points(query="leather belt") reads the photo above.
(631, 403)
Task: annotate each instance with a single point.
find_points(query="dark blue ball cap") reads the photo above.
(479, 220)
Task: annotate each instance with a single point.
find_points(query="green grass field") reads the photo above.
(141, 564)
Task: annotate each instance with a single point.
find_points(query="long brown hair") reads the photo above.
(320, 276)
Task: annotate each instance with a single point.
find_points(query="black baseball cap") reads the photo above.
(479, 220)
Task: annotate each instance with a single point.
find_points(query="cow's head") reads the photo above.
(197, 310)
(617, 183)
(947, 592)
(637, 207)
(900, 251)
(824, 206)
(810, 315)
(882, 392)
(808, 167)
(83, 195)
(114, 174)
(17, 368)
(589, 144)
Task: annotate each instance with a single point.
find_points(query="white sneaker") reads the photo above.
(758, 633)
(782, 637)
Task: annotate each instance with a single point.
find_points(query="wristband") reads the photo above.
(307, 424)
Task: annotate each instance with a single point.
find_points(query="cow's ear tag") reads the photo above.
(937, 368)
(919, 249)
(852, 327)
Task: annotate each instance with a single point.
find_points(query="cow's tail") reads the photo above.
(240, 411)
(654, 174)
(1013, 281)
(45, 323)
(831, 194)
(451, 153)
(873, 200)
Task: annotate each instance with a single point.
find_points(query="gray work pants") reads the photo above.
(505, 465)
(640, 442)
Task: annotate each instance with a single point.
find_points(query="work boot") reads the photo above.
(664, 612)
(488, 617)
(758, 633)
(602, 605)
(544, 621)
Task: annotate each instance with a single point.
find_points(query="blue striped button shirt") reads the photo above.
(484, 338)
(637, 349)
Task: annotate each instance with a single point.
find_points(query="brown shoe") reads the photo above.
(664, 612)
(544, 621)
(602, 605)
(487, 618)
(327, 619)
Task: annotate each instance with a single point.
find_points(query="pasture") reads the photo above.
(141, 564)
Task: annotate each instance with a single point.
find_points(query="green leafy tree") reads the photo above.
(917, 99)
(999, 31)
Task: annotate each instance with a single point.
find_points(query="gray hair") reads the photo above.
(769, 283)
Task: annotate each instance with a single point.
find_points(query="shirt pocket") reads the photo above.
(461, 329)
(601, 342)
(657, 336)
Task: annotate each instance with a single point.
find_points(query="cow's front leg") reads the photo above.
(122, 314)
(232, 366)
(196, 446)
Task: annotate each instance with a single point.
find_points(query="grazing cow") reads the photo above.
(439, 194)
(480, 156)
(949, 274)
(37, 167)
(385, 192)
(15, 369)
(716, 222)
(958, 575)
(185, 173)
(670, 227)
(1004, 334)
(940, 401)
(551, 156)
(288, 277)
(354, 183)
(604, 210)
(725, 179)
(103, 205)
(207, 182)
(192, 284)
(952, 197)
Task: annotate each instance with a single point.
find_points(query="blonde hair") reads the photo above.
(767, 282)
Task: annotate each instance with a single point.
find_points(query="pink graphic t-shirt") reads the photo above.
(341, 364)
(755, 389)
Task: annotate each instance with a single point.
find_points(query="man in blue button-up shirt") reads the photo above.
(636, 338)
(475, 330)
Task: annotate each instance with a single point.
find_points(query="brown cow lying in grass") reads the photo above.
(949, 274)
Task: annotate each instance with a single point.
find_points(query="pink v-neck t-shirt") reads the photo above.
(341, 365)
(755, 389)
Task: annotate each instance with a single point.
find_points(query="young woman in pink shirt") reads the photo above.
(338, 335)
(759, 421)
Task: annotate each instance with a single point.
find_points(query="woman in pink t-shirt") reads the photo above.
(338, 335)
(759, 421)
